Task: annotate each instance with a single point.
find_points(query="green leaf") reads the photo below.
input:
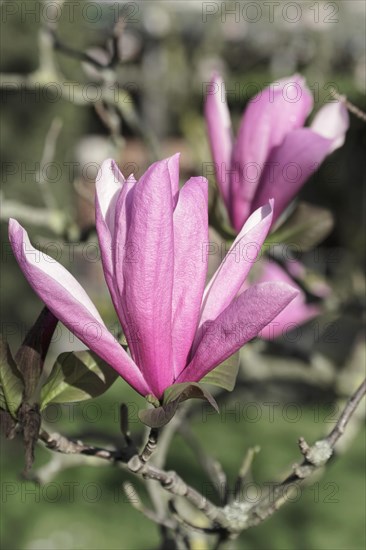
(225, 374)
(11, 381)
(307, 226)
(159, 416)
(188, 390)
(173, 396)
(77, 376)
(2, 399)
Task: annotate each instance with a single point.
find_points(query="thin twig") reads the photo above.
(109, 92)
(245, 470)
(47, 157)
(115, 40)
(170, 481)
(34, 216)
(134, 499)
(183, 521)
(211, 466)
(315, 457)
(111, 120)
(175, 485)
(238, 516)
(61, 444)
(350, 106)
(346, 415)
(65, 49)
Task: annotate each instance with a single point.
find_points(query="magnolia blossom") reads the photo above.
(273, 154)
(153, 238)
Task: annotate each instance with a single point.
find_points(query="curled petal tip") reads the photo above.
(267, 208)
(332, 122)
(173, 163)
(108, 164)
(131, 179)
(285, 288)
(14, 228)
(216, 77)
(299, 78)
(108, 174)
(13, 224)
(219, 130)
(115, 169)
(200, 179)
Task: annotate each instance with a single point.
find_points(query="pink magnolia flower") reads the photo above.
(153, 238)
(273, 154)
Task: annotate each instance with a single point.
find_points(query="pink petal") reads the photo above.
(148, 276)
(219, 133)
(190, 266)
(173, 167)
(332, 122)
(120, 251)
(241, 321)
(108, 186)
(269, 117)
(111, 222)
(68, 301)
(315, 283)
(292, 316)
(234, 268)
(289, 166)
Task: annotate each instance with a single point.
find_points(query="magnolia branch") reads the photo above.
(350, 106)
(174, 484)
(237, 516)
(58, 443)
(346, 416)
(315, 457)
(110, 93)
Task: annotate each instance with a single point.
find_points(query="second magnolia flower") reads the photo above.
(273, 154)
(152, 237)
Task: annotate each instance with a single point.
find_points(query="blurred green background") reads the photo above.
(167, 53)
